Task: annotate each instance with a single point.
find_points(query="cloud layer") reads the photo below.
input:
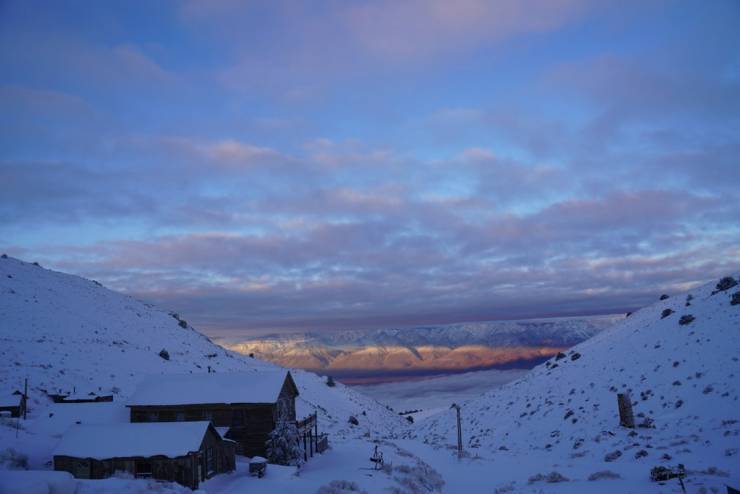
(258, 166)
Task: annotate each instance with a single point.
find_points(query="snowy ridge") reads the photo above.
(683, 375)
(63, 332)
(451, 346)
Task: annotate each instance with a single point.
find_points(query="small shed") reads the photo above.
(247, 403)
(14, 402)
(186, 452)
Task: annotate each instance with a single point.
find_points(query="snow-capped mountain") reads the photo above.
(679, 360)
(64, 332)
(446, 347)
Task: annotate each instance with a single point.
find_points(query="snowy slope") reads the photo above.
(683, 377)
(64, 332)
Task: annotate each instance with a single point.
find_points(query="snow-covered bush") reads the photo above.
(686, 319)
(725, 284)
(284, 445)
(11, 459)
(504, 488)
(340, 487)
(552, 478)
(603, 474)
(419, 478)
(612, 456)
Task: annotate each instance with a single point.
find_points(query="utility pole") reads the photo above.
(459, 431)
(25, 399)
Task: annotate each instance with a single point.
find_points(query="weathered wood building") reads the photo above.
(15, 403)
(186, 453)
(244, 406)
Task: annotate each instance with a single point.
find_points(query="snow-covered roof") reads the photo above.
(9, 400)
(171, 439)
(186, 389)
(58, 417)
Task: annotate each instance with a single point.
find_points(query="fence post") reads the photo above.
(459, 431)
(626, 418)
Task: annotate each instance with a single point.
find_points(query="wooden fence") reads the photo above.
(313, 442)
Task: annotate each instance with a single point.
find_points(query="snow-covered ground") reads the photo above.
(60, 331)
(563, 417)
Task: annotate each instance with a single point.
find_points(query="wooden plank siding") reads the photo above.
(249, 424)
(188, 470)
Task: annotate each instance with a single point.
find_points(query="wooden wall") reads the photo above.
(186, 470)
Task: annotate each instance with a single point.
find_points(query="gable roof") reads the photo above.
(229, 388)
(101, 442)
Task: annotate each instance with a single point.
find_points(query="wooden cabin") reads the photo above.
(186, 453)
(14, 402)
(245, 406)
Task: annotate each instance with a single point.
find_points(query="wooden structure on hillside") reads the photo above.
(186, 453)
(626, 417)
(247, 405)
(75, 397)
(313, 442)
(14, 402)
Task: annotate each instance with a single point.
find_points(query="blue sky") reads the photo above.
(324, 165)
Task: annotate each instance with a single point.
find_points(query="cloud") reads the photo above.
(275, 164)
(575, 256)
(413, 30)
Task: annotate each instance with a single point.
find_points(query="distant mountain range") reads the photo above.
(426, 349)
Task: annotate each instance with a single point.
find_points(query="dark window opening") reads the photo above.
(143, 469)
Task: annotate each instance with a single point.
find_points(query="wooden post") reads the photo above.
(626, 418)
(25, 399)
(305, 453)
(459, 431)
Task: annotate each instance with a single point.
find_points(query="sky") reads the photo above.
(278, 166)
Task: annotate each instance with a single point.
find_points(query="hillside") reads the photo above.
(682, 372)
(63, 332)
(450, 347)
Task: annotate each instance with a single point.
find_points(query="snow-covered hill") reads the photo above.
(679, 359)
(460, 346)
(62, 332)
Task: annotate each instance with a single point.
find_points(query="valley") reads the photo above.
(555, 428)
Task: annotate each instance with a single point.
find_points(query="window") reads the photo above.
(82, 469)
(152, 417)
(143, 469)
(180, 416)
